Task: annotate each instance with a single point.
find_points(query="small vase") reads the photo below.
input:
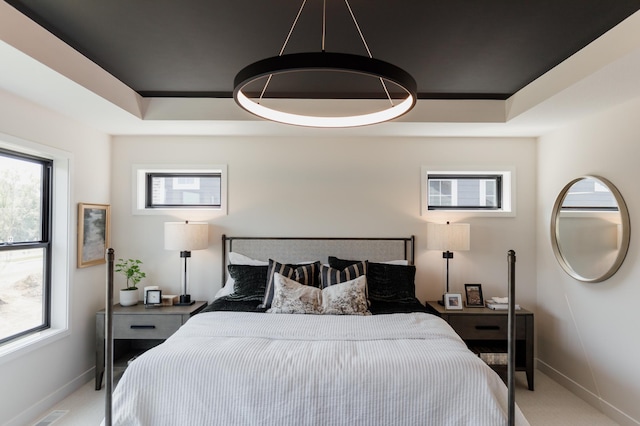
(128, 297)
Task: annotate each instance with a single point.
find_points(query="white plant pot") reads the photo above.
(128, 297)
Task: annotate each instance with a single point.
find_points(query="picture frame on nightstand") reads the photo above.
(474, 295)
(452, 301)
(152, 298)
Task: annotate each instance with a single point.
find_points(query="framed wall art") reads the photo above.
(93, 233)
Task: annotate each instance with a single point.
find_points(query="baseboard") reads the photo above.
(592, 399)
(41, 407)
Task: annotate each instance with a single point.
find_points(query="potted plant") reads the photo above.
(130, 268)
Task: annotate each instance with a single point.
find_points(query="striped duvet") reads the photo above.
(240, 368)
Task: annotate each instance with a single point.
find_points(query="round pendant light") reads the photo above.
(325, 62)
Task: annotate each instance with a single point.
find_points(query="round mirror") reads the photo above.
(590, 229)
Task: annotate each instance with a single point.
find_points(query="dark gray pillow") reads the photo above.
(385, 282)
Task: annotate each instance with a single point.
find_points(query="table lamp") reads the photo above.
(186, 236)
(449, 238)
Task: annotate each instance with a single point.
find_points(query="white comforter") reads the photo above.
(236, 368)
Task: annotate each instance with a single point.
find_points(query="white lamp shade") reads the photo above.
(186, 236)
(448, 237)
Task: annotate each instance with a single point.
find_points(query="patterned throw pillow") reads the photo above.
(347, 298)
(291, 297)
(330, 276)
(306, 274)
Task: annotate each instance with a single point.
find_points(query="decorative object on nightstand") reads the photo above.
(474, 295)
(500, 303)
(452, 301)
(153, 298)
(130, 268)
(146, 289)
(449, 238)
(186, 236)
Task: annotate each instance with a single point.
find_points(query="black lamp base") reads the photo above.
(185, 300)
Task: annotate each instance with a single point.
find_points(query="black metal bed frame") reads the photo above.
(511, 262)
(227, 245)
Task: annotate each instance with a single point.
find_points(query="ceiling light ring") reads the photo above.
(325, 61)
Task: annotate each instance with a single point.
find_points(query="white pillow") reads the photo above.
(241, 259)
(397, 262)
(236, 259)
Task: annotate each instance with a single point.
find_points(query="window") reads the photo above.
(171, 190)
(162, 188)
(589, 195)
(480, 191)
(25, 244)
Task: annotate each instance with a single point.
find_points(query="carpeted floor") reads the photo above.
(549, 405)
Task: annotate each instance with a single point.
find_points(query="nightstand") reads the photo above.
(484, 329)
(137, 328)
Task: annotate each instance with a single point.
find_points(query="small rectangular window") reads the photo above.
(172, 190)
(180, 187)
(481, 191)
(589, 195)
(464, 192)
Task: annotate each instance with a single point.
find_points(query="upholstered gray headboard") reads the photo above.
(302, 249)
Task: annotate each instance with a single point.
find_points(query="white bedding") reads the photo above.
(237, 368)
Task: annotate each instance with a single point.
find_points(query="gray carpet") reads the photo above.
(549, 405)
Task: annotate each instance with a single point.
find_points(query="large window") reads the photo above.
(25, 244)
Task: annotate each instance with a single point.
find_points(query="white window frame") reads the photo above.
(508, 175)
(139, 176)
(61, 246)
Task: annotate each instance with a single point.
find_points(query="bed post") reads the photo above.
(109, 338)
(224, 260)
(511, 256)
(413, 250)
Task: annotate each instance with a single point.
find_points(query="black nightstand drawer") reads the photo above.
(486, 327)
(145, 326)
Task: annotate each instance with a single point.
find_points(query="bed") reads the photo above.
(365, 351)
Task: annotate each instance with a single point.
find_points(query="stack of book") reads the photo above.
(499, 303)
(491, 355)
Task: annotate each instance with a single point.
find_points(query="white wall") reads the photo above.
(588, 335)
(277, 186)
(38, 379)
(331, 187)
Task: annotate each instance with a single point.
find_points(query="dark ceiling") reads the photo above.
(455, 49)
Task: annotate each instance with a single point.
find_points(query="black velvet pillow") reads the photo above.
(249, 282)
(385, 282)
